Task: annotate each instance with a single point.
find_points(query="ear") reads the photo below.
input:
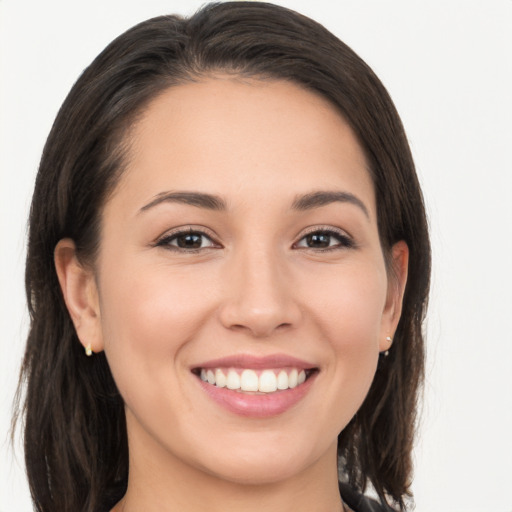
(80, 293)
(396, 288)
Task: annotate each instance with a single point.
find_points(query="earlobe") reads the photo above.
(80, 293)
(396, 288)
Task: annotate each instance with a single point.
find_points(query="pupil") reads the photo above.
(318, 240)
(190, 241)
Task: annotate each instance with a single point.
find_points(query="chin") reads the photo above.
(268, 461)
(256, 472)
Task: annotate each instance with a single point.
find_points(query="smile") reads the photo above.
(254, 386)
(250, 380)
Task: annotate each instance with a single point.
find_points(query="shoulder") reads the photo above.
(360, 503)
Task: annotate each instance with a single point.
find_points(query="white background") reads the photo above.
(448, 67)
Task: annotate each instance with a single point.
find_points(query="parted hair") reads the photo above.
(75, 436)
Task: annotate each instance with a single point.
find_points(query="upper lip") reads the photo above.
(256, 362)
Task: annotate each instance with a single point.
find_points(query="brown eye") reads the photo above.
(189, 241)
(318, 240)
(186, 241)
(325, 240)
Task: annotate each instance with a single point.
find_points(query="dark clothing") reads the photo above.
(359, 503)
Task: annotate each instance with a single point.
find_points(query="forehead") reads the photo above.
(244, 138)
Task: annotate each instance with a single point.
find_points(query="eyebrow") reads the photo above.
(324, 198)
(216, 203)
(199, 199)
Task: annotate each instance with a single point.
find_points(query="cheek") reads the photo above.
(148, 316)
(349, 306)
(349, 309)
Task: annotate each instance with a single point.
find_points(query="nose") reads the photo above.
(259, 297)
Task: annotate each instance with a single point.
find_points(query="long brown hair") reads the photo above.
(76, 446)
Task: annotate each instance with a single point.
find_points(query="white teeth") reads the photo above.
(292, 379)
(233, 380)
(220, 378)
(268, 381)
(282, 380)
(248, 380)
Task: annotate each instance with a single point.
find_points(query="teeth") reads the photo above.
(233, 380)
(268, 382)
(292, 379)
(282, 380)
(248, 380)
(220, 378)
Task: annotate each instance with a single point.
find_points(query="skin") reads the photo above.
(255, 285)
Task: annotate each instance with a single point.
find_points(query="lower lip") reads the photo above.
(257, 406)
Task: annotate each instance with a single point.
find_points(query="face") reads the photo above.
(240, 292)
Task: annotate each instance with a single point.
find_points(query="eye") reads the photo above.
(325, 239)
(186, 240)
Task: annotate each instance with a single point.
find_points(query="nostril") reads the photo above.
(260, 330)
(259, 315)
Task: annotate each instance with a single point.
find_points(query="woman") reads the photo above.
(227, 272)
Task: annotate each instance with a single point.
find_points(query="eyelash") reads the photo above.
(166, 240)
(344, 240)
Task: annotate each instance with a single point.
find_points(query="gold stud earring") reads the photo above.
(389, 339)
(88, 350)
